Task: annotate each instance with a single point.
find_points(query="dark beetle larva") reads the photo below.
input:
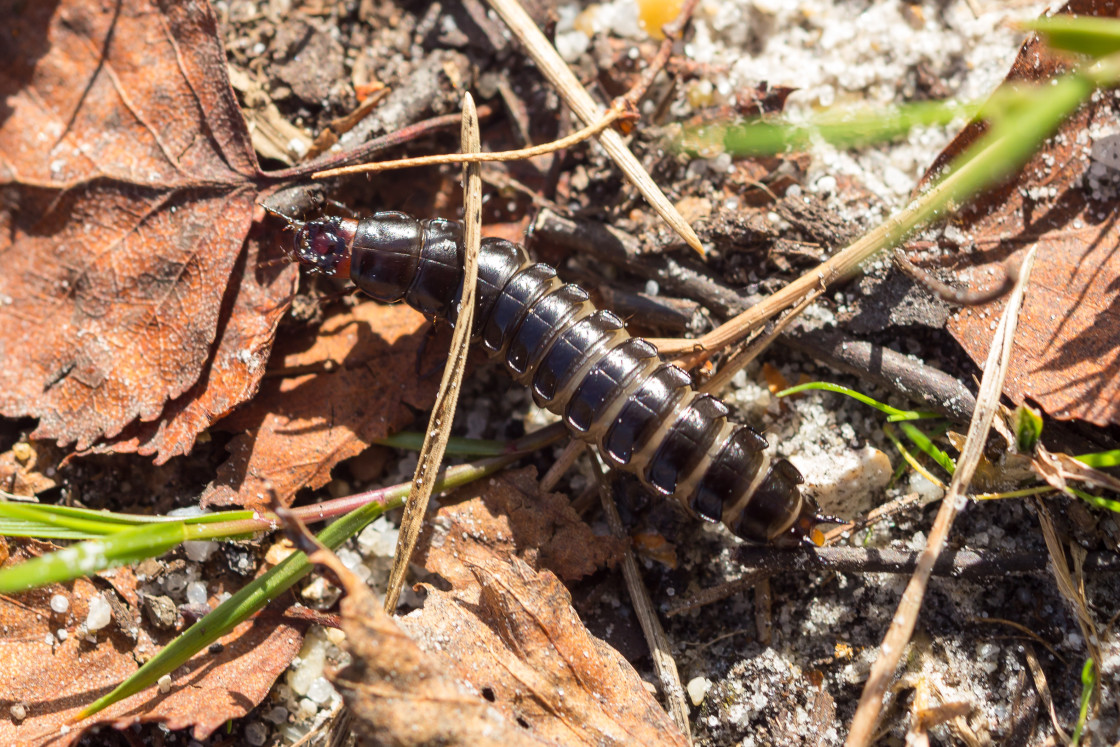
(611, 389)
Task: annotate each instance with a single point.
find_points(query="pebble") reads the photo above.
(99, 613)
(698, 688)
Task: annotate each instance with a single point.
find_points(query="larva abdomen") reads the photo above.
(611, 389)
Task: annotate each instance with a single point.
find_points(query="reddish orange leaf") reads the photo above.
(1066, 355)
(54, 678)
(298, 428)
(127, 186)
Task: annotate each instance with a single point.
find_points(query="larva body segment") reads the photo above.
(611, 389)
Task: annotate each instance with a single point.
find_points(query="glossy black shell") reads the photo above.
(611, 389)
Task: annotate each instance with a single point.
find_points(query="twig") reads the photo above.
(443, 413)
(916, 381)
(904, 620)
(673, 31)
(589, 112)
(506, 155)
(658, 642)
(966, 563)
(961, 296)
(561, 465)
(742, 359)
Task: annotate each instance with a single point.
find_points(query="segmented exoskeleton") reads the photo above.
(611, 389)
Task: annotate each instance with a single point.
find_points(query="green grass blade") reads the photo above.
(237, 608)
(478, 447)
(1101, 459)
(44, 521)
(843, 128)
(1095, 501)
(127, 546)
(1094, 36)
(1088, 685)
(928, 447)
(894, 413)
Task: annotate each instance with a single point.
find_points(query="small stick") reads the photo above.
(443, 413)
(743, 358)
(961, 296)
(672, 32)
(562, 464)
(568, 86)
(365, 150)
(658, 642)
(904, 620)
(506, 155)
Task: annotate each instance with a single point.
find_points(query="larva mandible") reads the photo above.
(611, 389)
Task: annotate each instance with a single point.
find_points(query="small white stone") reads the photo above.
(99, 613)
(18, 711)
(164, 683)
(307, 708)
(62, 634)
(321, 690)
(199, 550)
(698, 688)
(196, 592)
(59, 603)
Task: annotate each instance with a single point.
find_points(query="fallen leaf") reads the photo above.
(515, 637)
(507, 626)
(502, 655)
(402, 695)
(127, 187)
(508, 515)
(1066, 355)
(299, 427)
(54, 678)
(22, 468)
(232, 374)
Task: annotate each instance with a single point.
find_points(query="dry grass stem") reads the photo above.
(658, 642)
(742, 359)
(905, 618)
(589, 112)
(845, 265)
(612, 116)
(443, 412)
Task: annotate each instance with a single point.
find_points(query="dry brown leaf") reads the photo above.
(515, 637)
(232, 375)
(503, 647)
(298, 428)
(508, 515)
(509, 629)
(127, 186)
(401, 695)
(1066, 354)
(53, 679)
(22, 468)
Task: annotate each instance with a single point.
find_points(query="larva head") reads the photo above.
(325, 245)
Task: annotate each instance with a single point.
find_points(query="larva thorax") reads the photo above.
(611, 389)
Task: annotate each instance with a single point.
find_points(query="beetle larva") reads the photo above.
(611, 389)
